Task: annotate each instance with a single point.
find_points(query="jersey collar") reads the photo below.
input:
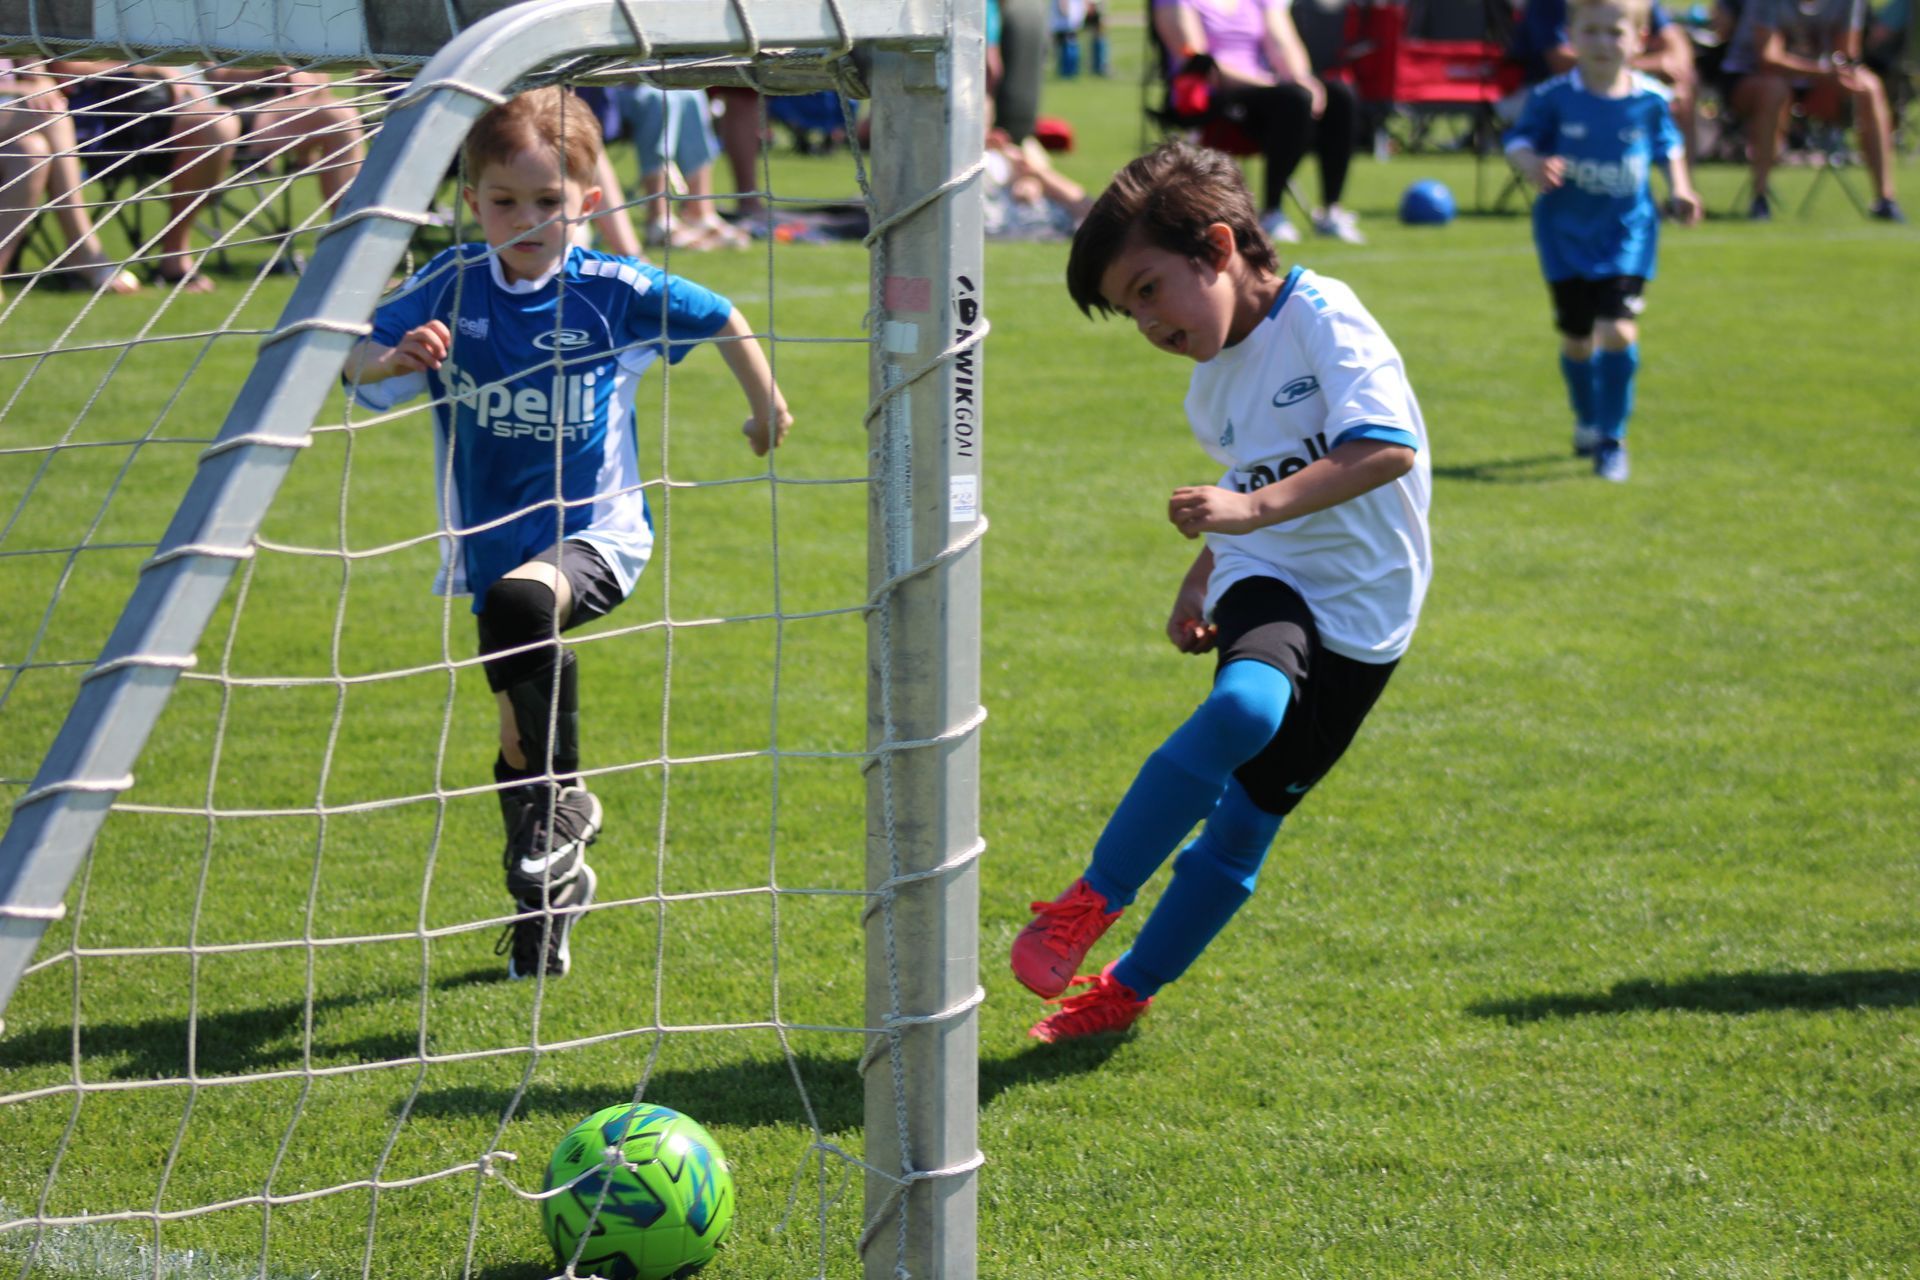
(1286, 291)
(524, 286)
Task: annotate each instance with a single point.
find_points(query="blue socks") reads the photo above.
(1579, 377)
(1212, 878)
(1181, 782)
(1613, 373)
(1190, 778)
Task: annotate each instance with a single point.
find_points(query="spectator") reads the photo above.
(155, 121)
(673, 133)
(1782, 48)
(1258, 77)
(737, 124)
(1024, 41)
(1025, 197)
(39, 160)
(1541, 47)
(299, 115)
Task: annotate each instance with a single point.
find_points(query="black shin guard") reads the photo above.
(546, 708)
(540, 681)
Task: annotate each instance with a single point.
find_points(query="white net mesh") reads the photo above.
(270, 1034)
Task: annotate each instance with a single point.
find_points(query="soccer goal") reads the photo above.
(255, 1022)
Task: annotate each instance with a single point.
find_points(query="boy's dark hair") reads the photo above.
(1172, 195)
(552, 119)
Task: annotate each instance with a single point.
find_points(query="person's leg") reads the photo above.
(738, 128)
(1023, 57)
(1279, 120)
(1873, 121)
(1333, 141)
(1761, 100)
(1213, 878)
(1573, 317)
(201, 135)
(1181, 782)
(24, 173)
(1215, 875)
(549, 818)
(1616, 365)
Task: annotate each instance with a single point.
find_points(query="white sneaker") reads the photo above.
(1339, 223)
(1586, 440)
(1279, 230)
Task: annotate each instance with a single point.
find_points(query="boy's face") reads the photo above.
(513, 197)
(1181, 305)
(1605, 38)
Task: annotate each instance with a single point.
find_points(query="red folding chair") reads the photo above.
(1426, 81)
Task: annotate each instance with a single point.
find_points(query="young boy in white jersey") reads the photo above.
(532, 349)
(1315, 563)
(1587, 140)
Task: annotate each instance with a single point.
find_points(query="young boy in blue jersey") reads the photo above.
(532, 349)
(1307, 590)
(1588, 141)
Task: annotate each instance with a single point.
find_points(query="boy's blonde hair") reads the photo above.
(552, 119)
(1637, 11)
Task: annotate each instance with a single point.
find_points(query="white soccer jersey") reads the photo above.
(1315, 373)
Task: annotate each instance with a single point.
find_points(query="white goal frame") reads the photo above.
(922, 63)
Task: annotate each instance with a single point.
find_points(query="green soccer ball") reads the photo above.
(653, 1200)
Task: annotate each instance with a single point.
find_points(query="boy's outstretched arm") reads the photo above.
(1348, 471)
(767, 427)
(419, 350)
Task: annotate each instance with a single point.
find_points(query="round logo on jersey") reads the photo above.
(562, 340)
(1296, 391)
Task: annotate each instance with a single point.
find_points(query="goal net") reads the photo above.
(257, 1016)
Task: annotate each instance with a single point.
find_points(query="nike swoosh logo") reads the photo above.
(538, 866)
(1299, 788)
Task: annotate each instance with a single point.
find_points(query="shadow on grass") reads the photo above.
(760, 1091)
(264, 1038)
(1539, 469)
(1722, 993)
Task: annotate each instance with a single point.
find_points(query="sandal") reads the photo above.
(109, 277)
(189, 280)
(721, 234)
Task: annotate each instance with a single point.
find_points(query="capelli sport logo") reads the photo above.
(1296, 391)
(562, 340)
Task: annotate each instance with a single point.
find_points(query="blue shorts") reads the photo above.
(669, 124)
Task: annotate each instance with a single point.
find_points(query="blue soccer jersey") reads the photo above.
(1601, 220)
(534, 404)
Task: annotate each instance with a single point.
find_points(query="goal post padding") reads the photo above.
(924, 66)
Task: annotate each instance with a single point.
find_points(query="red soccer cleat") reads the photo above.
(1049, 950)
(1110, 1005)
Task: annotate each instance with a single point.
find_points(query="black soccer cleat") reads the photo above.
(538, 942)
(548, 840)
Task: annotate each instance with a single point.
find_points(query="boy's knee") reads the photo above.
(1245, 708)
(514, 613)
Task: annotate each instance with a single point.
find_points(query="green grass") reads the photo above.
(1596, 958)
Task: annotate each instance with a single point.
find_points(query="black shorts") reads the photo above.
(1578, 303)
(596, 592)
(1265, 620)
(120, 123)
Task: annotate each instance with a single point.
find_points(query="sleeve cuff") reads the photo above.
(1378, 431)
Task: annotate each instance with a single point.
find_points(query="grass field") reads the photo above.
(1598, 956)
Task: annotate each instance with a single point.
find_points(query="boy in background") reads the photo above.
(1588, 141)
